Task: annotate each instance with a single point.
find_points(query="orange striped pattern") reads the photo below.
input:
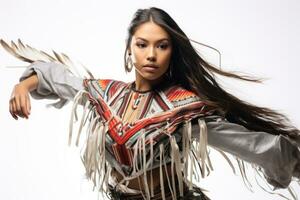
(103, 83)
(180, 94)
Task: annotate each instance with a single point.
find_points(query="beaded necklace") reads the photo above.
(136, 97)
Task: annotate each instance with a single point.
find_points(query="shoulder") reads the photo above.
(180, 96)
(104, 87)
(104, 84)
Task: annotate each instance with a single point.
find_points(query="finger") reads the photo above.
(14, 110)
(21, 114)
(18, 105)
(28, 104)
(23, 105)
(11, 111)
(10, 106)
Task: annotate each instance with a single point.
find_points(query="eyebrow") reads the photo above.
(156, 41)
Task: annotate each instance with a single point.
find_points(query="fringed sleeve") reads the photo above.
(276, 157)
(55, 81)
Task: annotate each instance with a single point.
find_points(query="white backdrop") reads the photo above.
(256, 37)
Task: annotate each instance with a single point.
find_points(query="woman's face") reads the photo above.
(151, 50)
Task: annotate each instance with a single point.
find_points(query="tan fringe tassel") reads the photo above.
(172, 165)
(257, 172)
(202, 147)
(162, 188)
(244, 174)
(79, 96)
(175, 160)
(168, 179)
(93, 157)
(186, 147)
(145, 167)
(151, 157)
(228, 161)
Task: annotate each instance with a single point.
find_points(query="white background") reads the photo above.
(257, 37)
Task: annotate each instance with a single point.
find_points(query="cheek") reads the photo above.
(166, 60)
(137, 57)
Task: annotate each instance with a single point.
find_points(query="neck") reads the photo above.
(143, 85)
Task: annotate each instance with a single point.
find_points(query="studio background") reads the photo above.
(259, 38)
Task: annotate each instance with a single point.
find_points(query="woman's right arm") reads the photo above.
(43, 81)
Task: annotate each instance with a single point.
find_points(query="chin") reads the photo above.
(152, 77)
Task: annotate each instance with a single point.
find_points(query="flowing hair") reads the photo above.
(189, 70)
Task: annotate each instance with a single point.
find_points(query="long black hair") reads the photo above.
(192, 72)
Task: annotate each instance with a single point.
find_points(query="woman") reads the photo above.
(147, 139)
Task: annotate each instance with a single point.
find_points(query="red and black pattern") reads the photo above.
(121, 132)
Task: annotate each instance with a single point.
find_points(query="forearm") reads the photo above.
(51, 81)
(31, 82)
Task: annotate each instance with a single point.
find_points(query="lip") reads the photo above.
(150, 66)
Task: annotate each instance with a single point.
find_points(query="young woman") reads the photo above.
(148, 139)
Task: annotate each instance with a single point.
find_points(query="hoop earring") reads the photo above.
(129, 64)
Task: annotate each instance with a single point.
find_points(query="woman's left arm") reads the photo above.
(277, 155)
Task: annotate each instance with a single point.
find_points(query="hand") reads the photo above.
(19, 103)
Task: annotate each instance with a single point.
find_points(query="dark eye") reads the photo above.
(141, 45)
(163, 46)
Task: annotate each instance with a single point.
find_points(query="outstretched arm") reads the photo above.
(277, 155)
(43, 80)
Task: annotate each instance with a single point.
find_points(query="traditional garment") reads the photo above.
(194, 193)
(174, 127)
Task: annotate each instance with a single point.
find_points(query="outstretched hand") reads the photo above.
(19, 103)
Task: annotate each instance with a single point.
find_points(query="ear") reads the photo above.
(128, 49)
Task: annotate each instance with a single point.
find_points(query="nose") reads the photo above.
(151, 58)
(151, 55)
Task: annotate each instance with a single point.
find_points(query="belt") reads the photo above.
(193, 194)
